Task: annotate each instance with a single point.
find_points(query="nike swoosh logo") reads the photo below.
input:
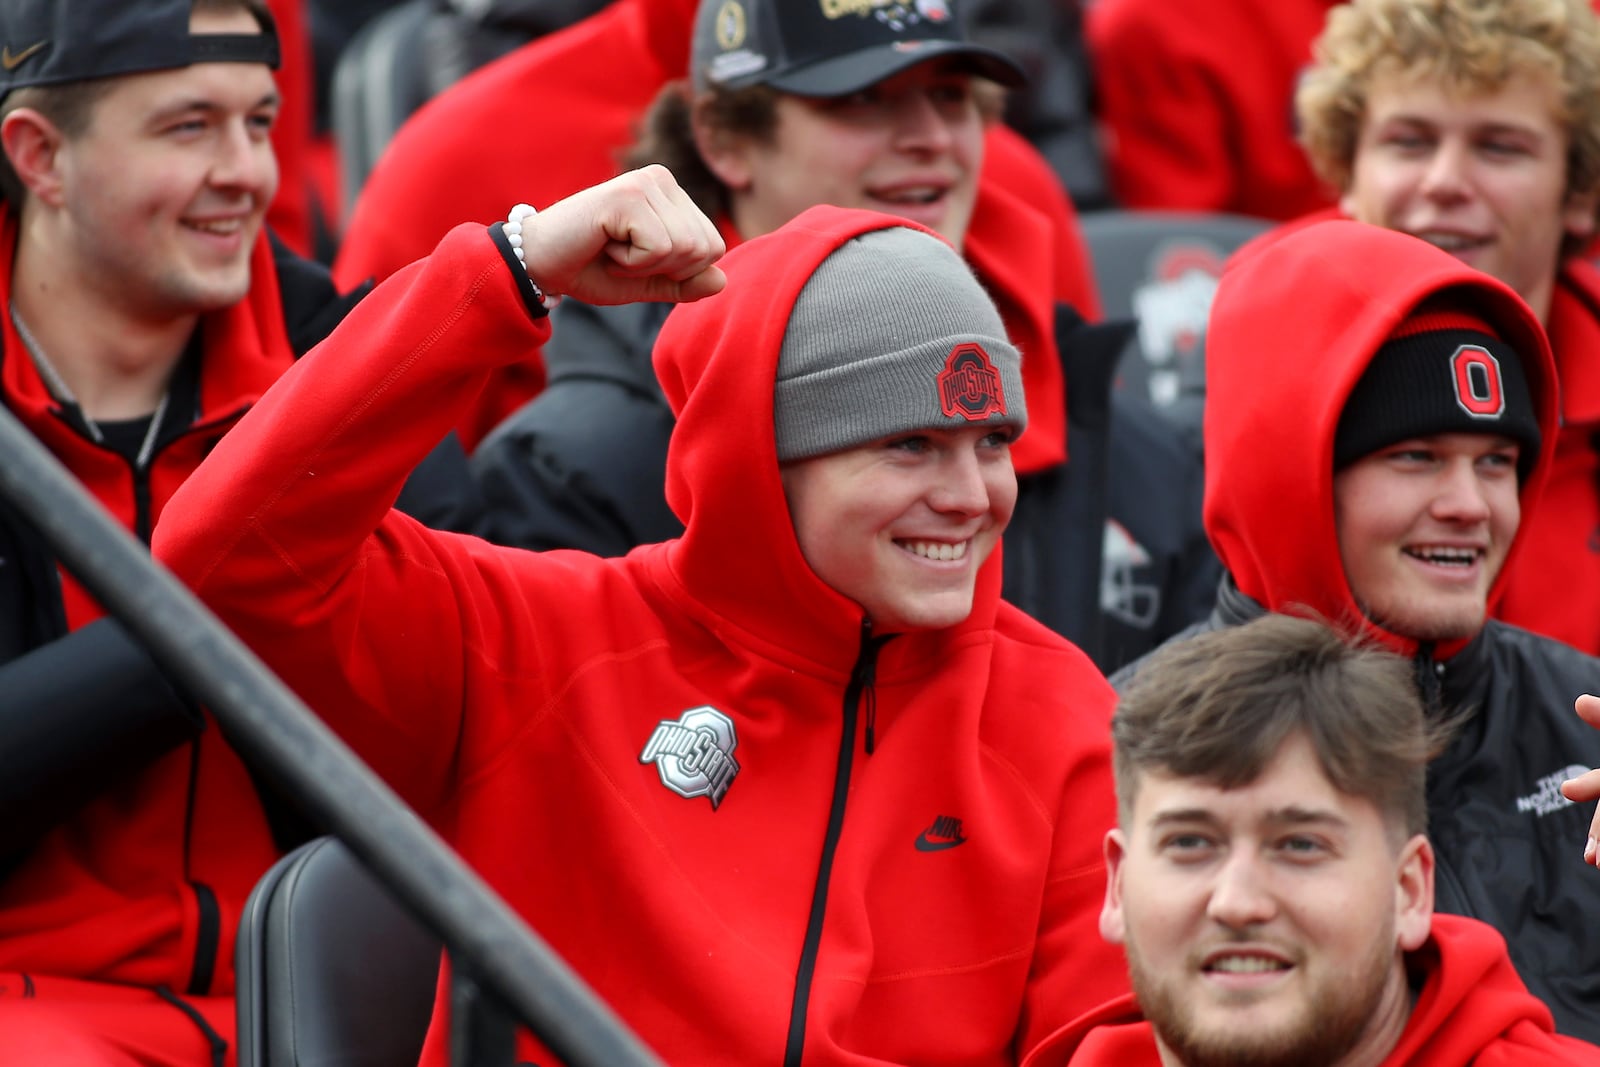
(11, 61)
(927, 844)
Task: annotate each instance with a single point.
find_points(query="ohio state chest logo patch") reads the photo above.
(694, 754)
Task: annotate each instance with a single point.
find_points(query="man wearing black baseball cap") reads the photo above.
(855, 103)
(144, 312)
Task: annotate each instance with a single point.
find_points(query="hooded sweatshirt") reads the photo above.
(776, 901)
(144, 883)
(592, 82)
(1296, 320)
(1470, 1008)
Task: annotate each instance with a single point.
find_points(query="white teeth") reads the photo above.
(1247, 965)
(1450, 557)
(937, 550)
(221, 227)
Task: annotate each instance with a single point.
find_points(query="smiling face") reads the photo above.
(1482, 176)
(910, 145)
(902, 525)
(163, 195)
(1266, 923)
(1424, 526)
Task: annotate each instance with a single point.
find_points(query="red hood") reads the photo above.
(717, 360)
(1331, 293)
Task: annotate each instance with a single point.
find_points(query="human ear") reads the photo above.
(32, 143)
(1112, 926)
(1578, 213)
(1414, 894)
(725, 154)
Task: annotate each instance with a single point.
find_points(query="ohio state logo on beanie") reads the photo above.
(1479, 388)
(969, 385)
(1441, 371)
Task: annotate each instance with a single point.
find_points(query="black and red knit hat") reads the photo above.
(1443, 370)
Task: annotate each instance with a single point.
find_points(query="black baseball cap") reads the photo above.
(831, 47)
(49, 42)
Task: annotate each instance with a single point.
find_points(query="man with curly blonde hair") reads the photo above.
(1475, 125)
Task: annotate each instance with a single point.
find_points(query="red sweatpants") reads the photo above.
(66, 1022)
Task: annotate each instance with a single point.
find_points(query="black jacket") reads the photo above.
(1509, 846)
(583, 466)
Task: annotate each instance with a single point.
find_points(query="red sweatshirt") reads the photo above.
(1197, 103)
(461, 158)
(1555, 584)
(144, 885)
(1471, 1008)
(532, 704)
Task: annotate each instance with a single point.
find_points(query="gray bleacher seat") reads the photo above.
(1161, 268)
(331, 971)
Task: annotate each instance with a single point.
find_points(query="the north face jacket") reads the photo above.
(1509, 846)
(1470, 1007)
(768, 898)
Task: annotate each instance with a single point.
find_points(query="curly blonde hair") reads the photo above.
(1473, 46)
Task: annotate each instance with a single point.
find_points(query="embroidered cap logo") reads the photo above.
(694, 755)
(1476, 377)
(730, 26)
(969, 386)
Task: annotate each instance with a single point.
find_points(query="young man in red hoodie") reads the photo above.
(1271, 878)
(795, 787)
(1475, 125)
(145, 309)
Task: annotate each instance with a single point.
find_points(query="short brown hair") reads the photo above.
(1471, 46)
(1218, 706)
(70, 105)
(666, 135)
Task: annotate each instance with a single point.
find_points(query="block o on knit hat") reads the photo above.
(1443, 370)
(51, 42)
(832, 47)
(892, 334)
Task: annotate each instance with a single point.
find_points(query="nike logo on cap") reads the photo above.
(12, 60)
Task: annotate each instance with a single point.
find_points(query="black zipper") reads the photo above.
(861, 681)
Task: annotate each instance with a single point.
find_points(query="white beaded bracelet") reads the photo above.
(513, 232)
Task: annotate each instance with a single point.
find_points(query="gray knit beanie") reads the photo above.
(892, 333)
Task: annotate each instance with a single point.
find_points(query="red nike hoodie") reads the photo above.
(536, 706)
(1471, 1008)
(1324, 296)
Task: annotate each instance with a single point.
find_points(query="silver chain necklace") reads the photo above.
(58, 389)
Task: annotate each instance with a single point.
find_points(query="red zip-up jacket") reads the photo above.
(457, 159)
(144, 884)
(523, 701)
(1471, 1008)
